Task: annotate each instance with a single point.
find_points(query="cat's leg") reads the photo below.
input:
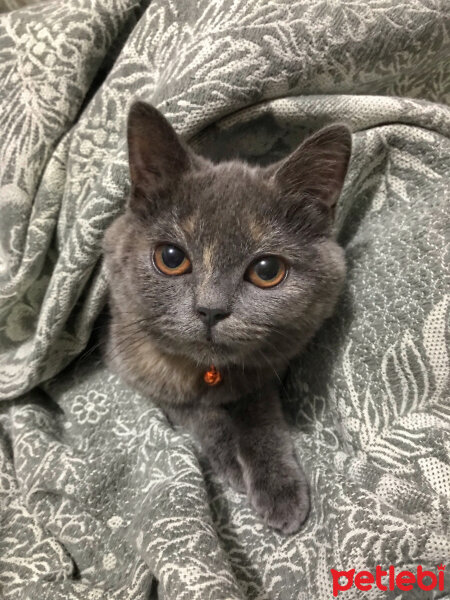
(215, 430)
(275, 482)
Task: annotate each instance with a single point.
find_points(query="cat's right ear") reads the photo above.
(156, 157)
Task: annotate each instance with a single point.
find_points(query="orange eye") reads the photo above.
(267, 271)
(171, 260)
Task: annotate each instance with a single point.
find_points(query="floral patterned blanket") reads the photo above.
(99, 497)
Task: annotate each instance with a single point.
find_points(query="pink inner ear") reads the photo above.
(318, 167)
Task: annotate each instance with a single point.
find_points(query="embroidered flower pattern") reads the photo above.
(89, 408)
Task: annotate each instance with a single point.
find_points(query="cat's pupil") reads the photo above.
(267, 268)
(172, 256)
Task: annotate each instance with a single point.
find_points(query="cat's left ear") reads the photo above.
(317, 168)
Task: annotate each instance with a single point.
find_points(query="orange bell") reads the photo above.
(212, 377)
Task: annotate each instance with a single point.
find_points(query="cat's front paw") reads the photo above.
(283, 502)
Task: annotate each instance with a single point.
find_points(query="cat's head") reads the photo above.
(226, 263)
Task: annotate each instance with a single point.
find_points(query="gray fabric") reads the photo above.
(99, 496)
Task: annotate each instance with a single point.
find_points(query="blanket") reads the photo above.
(100, 498)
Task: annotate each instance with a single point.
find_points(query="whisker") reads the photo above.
(271, 366)
(122, 349)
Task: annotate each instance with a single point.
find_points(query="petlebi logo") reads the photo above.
(389, 579)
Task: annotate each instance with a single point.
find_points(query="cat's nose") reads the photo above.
(211, 316)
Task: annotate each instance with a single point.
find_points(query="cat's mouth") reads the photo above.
(212, 343)
(210, 348)
(213, 349)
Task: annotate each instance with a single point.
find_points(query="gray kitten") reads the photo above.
(220, 274)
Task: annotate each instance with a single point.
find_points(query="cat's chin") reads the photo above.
(204, 353)
(223, 355)
(212, 353)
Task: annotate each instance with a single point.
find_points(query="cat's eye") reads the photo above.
(267, 271)
(171, 260)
